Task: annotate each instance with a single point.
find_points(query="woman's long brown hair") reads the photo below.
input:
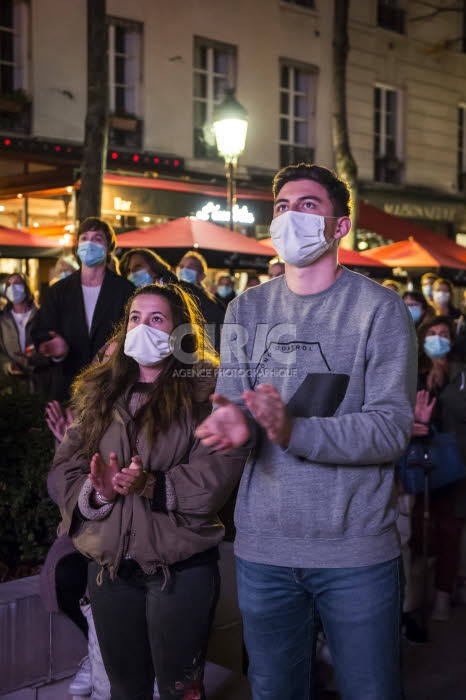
(173, 396)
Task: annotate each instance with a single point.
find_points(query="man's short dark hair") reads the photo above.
(337, 189)
(92, 223)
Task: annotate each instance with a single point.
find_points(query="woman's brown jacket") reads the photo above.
(200, 479)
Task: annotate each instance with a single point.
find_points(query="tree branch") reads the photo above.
(436, 10)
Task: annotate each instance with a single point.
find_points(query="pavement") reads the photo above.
(433, 671)
(437, 670)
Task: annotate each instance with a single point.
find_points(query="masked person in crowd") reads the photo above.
(224, 288)
(18, 356)
(64, 267)
(442, 386)
(139, 495)
(324, 397)
(142, 266)
(252, 281)
(192, 271)
(427, 283)
(79, 313)
(418, 307)
(442, 299)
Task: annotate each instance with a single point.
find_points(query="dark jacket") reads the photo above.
(212, 310)
(63, 312)
(449, 416)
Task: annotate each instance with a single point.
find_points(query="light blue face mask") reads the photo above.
(224, 291)
(140, 278)
(91, 253)
(16, 293)
(63, 274)
(187, 275)
(416, 313)
(436, 347)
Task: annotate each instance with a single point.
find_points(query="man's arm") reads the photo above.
(380, 431)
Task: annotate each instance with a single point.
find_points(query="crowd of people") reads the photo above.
(154, 433)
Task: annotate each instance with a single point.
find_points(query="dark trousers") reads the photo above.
(145, 628)
(71, 584)
(444, 535)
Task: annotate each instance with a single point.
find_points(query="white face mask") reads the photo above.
(147, 345)
(441, 297)
(299, 238)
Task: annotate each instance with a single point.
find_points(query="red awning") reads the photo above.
(393, 228)
(191, 233)
(220, 246)
(412, 254)
(13, 237)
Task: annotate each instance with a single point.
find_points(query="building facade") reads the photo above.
(169, 65)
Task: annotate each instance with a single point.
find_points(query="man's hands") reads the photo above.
(269, 411)
(227, 429)
(55, 347)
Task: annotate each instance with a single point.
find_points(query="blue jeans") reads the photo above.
(360, 609)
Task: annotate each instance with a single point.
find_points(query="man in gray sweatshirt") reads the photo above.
(318, 379)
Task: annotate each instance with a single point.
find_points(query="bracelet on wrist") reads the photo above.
(102, 499)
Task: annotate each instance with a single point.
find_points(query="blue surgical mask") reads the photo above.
(427, 290)
(416, 313)
(140, 278)
(91, 253)
(436, 347)
(224, 291)
(63, 274)
(187, 275)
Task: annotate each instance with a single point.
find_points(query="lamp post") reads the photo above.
(230, 126)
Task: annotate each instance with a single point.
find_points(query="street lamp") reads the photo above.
(230, 126)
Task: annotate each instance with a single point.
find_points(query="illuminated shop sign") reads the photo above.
(212, 212)
(120, 204)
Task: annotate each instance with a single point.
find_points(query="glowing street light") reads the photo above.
(230, 126)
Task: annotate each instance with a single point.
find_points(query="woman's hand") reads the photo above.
(102, 475)
(131, 479)
(57, 420)
(420, 430)
(424, 407)
(438, 374)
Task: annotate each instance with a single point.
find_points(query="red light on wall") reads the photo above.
(156, 160)
(58, 149)
(176, 163)
(7, 142)
(135, 158)
(114, 155)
